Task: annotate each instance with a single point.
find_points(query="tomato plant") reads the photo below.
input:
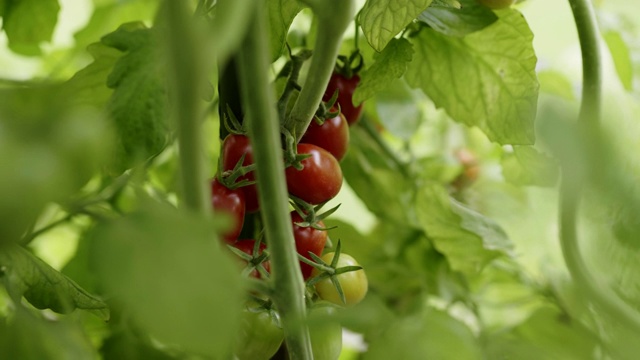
(332, 135)
(326, 333)
(308, 239)
(354, 283)
(234, 147)
(248, 247)
(320, 179)
(231, 202)
(345, 87)
(260, 335)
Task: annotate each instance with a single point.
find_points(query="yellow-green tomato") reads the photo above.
(497, 4)
(325, 333)
(260, 336)
(354, 283)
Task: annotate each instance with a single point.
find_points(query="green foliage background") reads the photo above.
(88, 219)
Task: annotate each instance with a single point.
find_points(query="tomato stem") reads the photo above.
(571, 185)
(186, 69)
(264, 130)
(333, 17)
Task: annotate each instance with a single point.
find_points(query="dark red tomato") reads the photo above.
(321, 178)
(308, 240)
(247, 247)
(332, 135)
(233, 147)
(345, 88)
(231, 202)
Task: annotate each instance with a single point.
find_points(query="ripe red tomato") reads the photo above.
(354, 283)
(345, 88)
(321, 178)
(308, 240)
(332, 135)
(231, 202)
(233, 147)
(247, 247)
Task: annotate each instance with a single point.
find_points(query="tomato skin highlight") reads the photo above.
(354, 283)
(332, 135)
(233, 147)
(346, 87)
(308, 240)
(321, 178)
(231, 202)
(246, 246)
(260, 336)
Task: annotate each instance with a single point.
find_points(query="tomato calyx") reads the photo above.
(255, 255)
(329, 271)
(232, 124)
(348, 66)
(230, 178)
(310, 213)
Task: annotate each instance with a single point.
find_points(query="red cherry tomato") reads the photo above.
(247, 247)
(320, 179)
(346, 88)
(332, 135)
(308, 240)
(233, 147)
(231, 202)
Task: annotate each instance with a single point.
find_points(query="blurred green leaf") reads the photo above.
(28, 23)
(28, 337)
(621, 57)
(397, 110)
(486, 79)
(547, 334)
(382, 20)
(556, 83)
(467, 19)
(526, 166)
(44, 287)
(169, 271)
(281, 15)
(467, 239)
(125, 345)
(390, 64)
(139, 103)
(433, 334)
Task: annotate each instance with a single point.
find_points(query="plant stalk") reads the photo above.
(264, 131)
(571, 186)
(333, 17)
(186, 63)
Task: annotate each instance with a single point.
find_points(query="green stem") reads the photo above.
(571, 186)
(384, 147)
(186, 65)
(264, 131)
(334, 17)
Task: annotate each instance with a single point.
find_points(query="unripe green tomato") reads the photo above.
(260, 336)
(325, 333)
(354, 283)
(497, 4)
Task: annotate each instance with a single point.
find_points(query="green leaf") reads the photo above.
(171, 275)
(43, 286)
(486, 79)
(397, 110)
(547, 334)
(556, 83)
(89, 85)
(390, 64)
(139, 103)
(27, 336)
(526, 166)
(468, 239)
(28, 23)
(467, 19)
(431, 335)
(621, 57)
(281, 15)
(382, 20)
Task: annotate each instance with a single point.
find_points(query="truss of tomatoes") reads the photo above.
(319, 179)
